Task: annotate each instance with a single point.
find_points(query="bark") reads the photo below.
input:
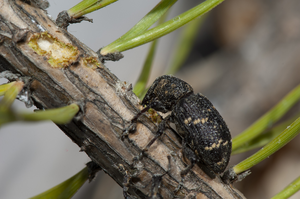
(107, 106)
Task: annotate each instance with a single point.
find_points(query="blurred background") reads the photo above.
(245, 59)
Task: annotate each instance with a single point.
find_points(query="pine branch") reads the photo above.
(107, 106)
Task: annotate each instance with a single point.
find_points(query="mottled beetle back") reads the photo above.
(204, 131)
(206, 137)
(165, 92)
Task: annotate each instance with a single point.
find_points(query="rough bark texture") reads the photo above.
(107, 107)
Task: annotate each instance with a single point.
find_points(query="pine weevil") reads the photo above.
(206, 137)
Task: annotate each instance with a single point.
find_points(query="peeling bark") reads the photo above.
(107, 108)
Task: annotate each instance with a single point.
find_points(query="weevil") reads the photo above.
(206, 137)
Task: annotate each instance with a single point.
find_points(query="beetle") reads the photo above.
(206, 137)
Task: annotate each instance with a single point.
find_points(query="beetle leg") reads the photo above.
(190, 154)
(160, 131)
